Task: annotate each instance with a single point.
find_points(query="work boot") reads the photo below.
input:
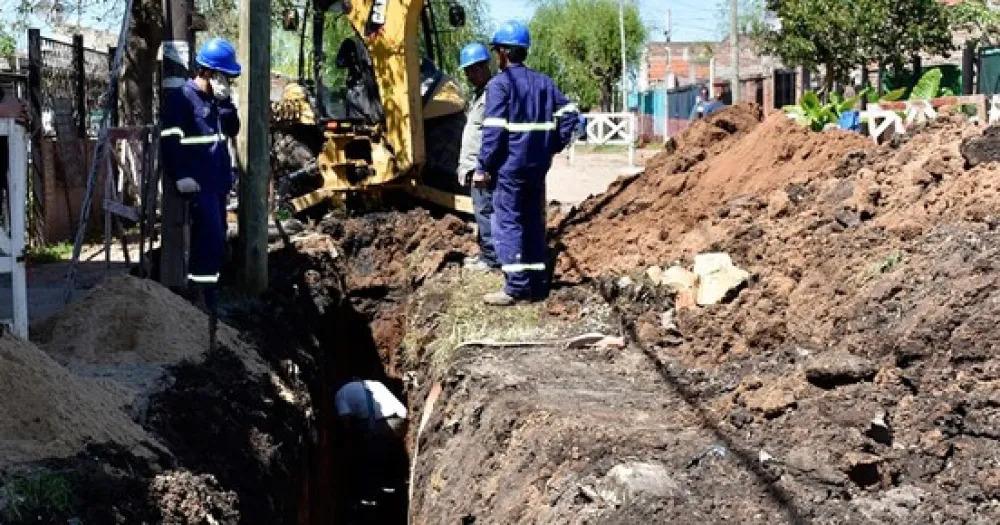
(499, 299)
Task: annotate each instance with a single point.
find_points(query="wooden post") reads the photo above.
(35, 105)
(968, 65)
(176, 56)
(113, 122)
(253, 147)
(80, 86)
(734, 44)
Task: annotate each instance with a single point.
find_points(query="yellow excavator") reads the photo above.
(395, 123)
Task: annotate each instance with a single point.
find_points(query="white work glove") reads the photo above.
(220, 86)
(480, 179)
(188, 185)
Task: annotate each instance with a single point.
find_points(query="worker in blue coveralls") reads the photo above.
(198, 120)
(527, 121)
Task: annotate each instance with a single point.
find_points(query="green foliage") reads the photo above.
(840, 34)
(816, 115)
(8, 45)
(221, 17)
(36, 496)
(452, 39)
(749, 13)
(577, 43)
(978, 17)
(928, 86)
(901, 29)
(50, 253)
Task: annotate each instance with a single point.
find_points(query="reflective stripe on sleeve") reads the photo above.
(204, 279)
(568, 108)
(523, 267)
(531, 126)
(203, 139)
(493, 122)
(172, 132)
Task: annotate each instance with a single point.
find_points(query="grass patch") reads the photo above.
(449, 311)
(888, 264)
(35, 497)
(50, 253)
(602, 148)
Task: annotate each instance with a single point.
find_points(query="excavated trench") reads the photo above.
(338, 292)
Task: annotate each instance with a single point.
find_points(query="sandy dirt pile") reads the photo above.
(48, 412)
(125, 321)
(731, 155)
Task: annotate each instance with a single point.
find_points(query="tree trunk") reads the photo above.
(831, 77)
(140, 63)
(606, 97)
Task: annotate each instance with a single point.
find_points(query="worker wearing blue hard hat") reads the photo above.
(474, 60)
(198, 120)
(527, 121)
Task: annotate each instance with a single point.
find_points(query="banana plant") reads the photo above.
(816, 115)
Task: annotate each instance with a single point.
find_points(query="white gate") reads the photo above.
(610, 128)
(12, 227)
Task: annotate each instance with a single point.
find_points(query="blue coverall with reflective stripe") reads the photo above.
(527, 121)
(193, 138)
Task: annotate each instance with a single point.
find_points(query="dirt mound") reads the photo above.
(49, 413)
(126, 320)
(684, 192)
(861, 359)
(398, 250)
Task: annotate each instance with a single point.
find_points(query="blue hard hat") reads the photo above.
(219, 55)
(512, 33)
(473, 53)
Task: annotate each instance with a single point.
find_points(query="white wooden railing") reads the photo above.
(617, 129)
(12, 227)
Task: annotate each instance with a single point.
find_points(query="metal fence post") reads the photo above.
(80, 86)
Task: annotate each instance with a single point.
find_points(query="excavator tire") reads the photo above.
(443, 141)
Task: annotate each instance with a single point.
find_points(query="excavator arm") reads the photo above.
(392, 105)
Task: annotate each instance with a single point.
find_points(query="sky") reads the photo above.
(690, 19)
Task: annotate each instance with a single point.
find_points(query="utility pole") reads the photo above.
(176, 49)
(621, 27)
(252, 144)
(734, 42)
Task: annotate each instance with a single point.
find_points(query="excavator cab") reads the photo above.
(394, 122)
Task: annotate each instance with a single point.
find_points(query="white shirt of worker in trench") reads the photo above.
(352, 400)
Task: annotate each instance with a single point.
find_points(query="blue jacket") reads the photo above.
(527, 121)
(195, 128)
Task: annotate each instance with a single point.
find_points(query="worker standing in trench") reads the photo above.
(527, 121)
(474, 59)
(198, 119)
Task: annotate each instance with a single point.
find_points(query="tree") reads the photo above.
(900, 30)
(978, 17)
(749, 13)
(577, 43)
(7, 43)
(840, 35)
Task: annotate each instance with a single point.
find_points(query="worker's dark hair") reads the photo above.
(518, 55)
(515, 54)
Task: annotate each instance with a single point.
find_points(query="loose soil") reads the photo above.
(854, 379)
(123, 416)
(49, 413)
